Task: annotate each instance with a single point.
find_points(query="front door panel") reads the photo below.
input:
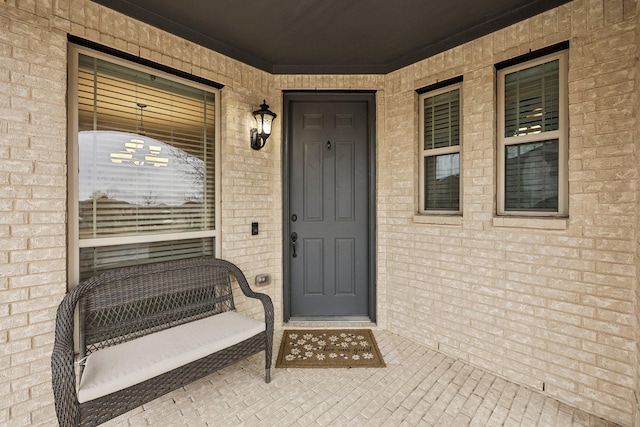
(329, 209)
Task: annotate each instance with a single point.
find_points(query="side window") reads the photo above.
(533, 137)
(142, 166)
(440, 150)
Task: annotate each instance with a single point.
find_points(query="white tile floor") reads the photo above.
(419, 387)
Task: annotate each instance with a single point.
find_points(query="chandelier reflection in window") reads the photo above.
(123, 165)
(141, 150)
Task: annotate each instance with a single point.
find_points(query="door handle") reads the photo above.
(294, 239)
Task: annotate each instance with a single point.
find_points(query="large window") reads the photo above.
(440, 150)
(532, 137)
(142, 165)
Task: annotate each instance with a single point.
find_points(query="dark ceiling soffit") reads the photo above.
(329, 69)
(141, 61)
(166, 24)
(492, 24)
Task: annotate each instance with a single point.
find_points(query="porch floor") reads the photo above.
(419, 386)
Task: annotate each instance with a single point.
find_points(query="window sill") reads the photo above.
(438, 219)
(534, 223)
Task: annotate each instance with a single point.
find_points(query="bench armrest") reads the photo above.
(250, 293)
(63, 374)
(266, 302)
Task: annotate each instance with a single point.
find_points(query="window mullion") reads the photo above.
(442, 150)
(523, 139)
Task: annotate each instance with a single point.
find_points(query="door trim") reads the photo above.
(290, 97)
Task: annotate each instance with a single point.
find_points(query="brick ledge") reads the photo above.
(536, 223)
(438, 219)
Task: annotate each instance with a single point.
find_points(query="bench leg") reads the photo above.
(267, 375)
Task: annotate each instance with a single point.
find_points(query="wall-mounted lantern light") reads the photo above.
(264, 118)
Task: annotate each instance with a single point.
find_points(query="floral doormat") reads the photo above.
(329, 348)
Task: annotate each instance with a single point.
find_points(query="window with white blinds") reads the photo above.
(440, 151)
(145, 147)
(532, 139)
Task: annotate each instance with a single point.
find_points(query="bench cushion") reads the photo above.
(123, 365)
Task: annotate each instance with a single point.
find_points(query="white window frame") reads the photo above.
(74, 241)
(438, 151)
(561, 134)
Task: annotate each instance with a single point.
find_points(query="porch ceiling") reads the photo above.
(330, 36)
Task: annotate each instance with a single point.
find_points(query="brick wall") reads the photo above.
(543, 303)
(546, 303)
(33, 127)
(636, 400)
(32, 205)
(251, 192)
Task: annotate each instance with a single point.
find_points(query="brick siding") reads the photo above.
(546, 304)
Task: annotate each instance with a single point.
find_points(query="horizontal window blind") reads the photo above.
(146, 148)
(441, 120)
(532, 100)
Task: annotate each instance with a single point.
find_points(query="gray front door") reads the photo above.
(329, 209)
